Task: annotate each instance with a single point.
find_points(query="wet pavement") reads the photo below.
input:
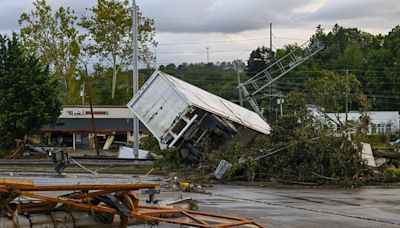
(274, 207)
(366, 207)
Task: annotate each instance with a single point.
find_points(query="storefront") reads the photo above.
(74, 128)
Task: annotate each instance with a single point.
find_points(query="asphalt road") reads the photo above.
(364, 207)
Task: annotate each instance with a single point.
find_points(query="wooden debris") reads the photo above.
(15, 182)
(21, 197)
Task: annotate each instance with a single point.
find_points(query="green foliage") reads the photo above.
(258, 60)
(218, 78)
(4, 153)
(372, 59)
(305, 152)
(375, 140)
(392, 171)
(330, 92)
(54, 37)
(150, 143)
(237, 155)
(170, 159)
(109, 34)
(28, 97)
(101, 81)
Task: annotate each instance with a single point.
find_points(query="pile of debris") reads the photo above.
(23, 204)
(196, 183)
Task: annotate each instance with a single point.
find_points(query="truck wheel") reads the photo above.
(190, 153)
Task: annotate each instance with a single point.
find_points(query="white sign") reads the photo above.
(77, 112)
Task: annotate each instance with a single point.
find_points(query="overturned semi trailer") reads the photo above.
(181, 115)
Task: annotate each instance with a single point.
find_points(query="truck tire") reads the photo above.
(190, 153)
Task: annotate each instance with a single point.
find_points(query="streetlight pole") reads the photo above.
(135, 78)
(280, 102)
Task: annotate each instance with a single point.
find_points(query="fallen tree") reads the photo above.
(386, 154)
(304, 148)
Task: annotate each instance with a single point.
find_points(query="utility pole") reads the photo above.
(135, 78)
(270, 37)
(239, 83)
(347, 95)
(208, 54)
(96, 144)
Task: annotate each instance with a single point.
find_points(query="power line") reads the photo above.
(209, 42)
(288, 38)
(198, 52)
(251, 22)
(202, 20)
(226, 41)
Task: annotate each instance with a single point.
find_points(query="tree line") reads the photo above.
(100, 39)
(43, 66)
(373, 59)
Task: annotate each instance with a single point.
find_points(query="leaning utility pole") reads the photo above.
(262, 81)
(96, 143)
(135, 78)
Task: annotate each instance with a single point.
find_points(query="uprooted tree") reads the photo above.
(29, 98)
(301, 149)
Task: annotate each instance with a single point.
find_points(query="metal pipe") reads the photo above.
(88, 187)
(70, 219)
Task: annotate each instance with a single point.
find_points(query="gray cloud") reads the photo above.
(202, 21)
(5, 24)
(357, 9)
(10, 10)
(225, 16)
(232, 16)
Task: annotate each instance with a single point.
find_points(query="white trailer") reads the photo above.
(181, 115)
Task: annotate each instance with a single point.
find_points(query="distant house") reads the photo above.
(74, 127)
(382, 122)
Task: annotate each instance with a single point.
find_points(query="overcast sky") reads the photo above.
(232, 28)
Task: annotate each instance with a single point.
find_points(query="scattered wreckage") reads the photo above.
(181, 115)
(24, 204)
